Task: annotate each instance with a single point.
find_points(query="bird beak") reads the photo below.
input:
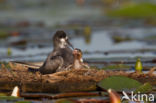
(70, 44)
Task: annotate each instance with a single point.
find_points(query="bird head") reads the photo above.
(60, 40)
(77, 54)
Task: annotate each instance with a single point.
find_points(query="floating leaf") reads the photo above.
(119, 83)
(144, 88)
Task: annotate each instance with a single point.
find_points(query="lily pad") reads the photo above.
(144, 88)
(119, 83)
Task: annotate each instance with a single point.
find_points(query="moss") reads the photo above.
(142, 10)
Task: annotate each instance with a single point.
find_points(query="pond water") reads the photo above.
(101, 42)
(100, 45)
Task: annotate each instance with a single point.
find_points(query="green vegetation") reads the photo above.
(3, 34)
(23, 102)
(117, 66)
(118, 39)
(2, 94)
(64, 101)
(142, 10)
(13, 99)
(151, 37)
(9, 98)
(138, 66)
(9, 51)
(144, 88)
(119, 83)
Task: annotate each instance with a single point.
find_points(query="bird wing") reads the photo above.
(29, 64)
(52, 63)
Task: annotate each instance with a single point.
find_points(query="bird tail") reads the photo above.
(33, 70)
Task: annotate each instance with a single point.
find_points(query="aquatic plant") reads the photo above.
(138, 66)
(118, 83)
(142, 10)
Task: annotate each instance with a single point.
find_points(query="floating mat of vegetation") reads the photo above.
(141, 10)
(119, 83)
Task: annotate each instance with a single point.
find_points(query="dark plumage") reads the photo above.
(61, 56)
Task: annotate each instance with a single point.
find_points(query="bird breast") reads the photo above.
(77, 64)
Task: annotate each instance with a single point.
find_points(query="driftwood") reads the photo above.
(65, 81)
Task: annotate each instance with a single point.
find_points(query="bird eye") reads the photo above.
(62, 36)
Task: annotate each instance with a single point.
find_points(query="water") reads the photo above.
(101, 42)
(53, 13)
